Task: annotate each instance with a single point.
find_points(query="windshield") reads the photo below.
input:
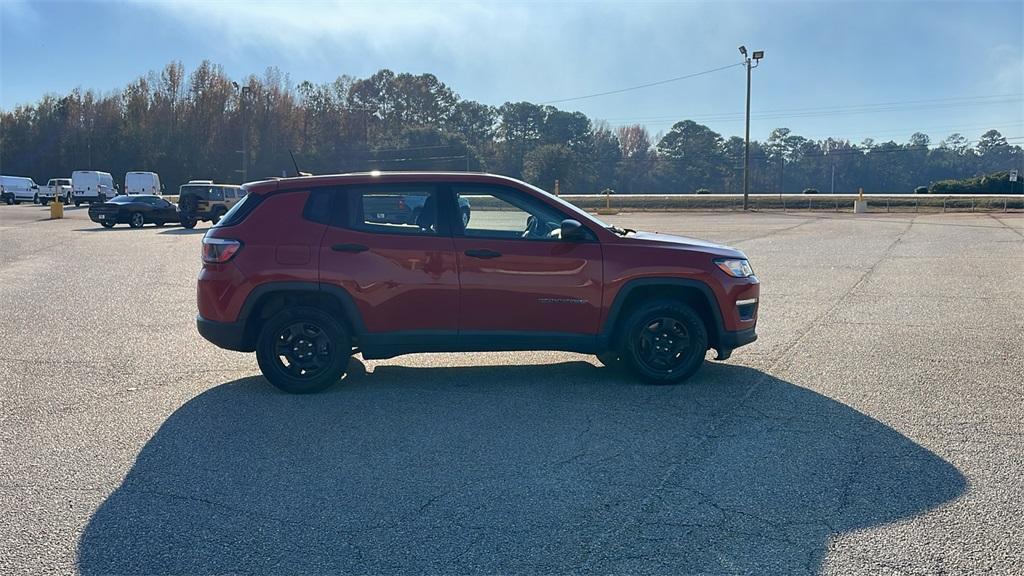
(570, 205)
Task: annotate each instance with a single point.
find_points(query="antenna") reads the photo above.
(296, 164)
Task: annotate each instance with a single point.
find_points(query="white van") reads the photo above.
(142, 183)
(88, 186)
(18, 189)
(56, 189)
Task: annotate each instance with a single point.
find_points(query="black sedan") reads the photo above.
(135, 210)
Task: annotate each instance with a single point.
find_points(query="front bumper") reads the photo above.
(227, 335)
(732, 340)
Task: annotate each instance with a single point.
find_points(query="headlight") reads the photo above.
(735, 268)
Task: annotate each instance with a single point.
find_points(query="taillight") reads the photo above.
(219, 250)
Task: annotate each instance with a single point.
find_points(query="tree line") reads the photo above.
(192, 126)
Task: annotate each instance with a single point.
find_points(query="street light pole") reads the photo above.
(750, 64)
(245, 135)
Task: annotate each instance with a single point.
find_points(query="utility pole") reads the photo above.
(750, 64)
(243, 97)
(245, 134)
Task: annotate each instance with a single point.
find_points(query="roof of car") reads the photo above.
(264, 186)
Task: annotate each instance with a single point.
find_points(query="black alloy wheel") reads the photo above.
(665, 342)
(136, 220)
(302, 350)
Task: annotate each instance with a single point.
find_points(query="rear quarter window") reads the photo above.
(240, 211)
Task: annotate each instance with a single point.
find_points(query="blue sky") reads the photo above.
(947, 66)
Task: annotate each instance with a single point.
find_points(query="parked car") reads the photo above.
(406, 208)
(18, 189)
(136, 211)
(57, 189)
(142, 183)
(302, 272)
(202, 200)
(88, 187)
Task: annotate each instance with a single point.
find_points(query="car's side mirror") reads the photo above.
(573, 231)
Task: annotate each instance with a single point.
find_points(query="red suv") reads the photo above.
(308, 271)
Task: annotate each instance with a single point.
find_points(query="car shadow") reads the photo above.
(509, 469)
(184, 231)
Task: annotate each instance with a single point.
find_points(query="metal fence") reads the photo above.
(813, 202)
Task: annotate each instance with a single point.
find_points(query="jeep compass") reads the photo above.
(307, 271)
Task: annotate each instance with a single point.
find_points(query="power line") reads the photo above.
(641, 86)
(824, 111)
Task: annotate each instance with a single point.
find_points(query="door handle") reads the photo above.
(349, 248)
(482, 253)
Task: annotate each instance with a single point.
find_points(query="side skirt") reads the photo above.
(388, 345)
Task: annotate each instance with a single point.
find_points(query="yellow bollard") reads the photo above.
(860, 206)
(56, 209)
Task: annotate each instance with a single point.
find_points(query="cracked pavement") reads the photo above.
(875, 427)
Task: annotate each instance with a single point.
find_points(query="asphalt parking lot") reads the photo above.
(874, 428)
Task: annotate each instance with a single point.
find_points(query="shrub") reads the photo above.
(997, 183)
(703, 191)
(810, 190)
(921, 190)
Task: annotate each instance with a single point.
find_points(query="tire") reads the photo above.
(35, 199)
(107, 224)
(44, 201)
(159, 223)
(103, 198)
(78, 203)
(136, 220)
(664, 342)
(465, 218)
(303, 331)
(217, 214)
(189, 223)
(9, 200)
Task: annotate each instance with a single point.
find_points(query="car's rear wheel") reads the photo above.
(664, 342)
(302, 350)
(136, 220)
(217, 213)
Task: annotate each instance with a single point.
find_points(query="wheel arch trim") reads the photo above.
(615, 312)
(347, 303)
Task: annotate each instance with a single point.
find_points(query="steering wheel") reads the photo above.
(535, 228)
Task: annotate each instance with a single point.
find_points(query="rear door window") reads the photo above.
(395, 209)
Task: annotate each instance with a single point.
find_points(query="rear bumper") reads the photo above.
(227, 335)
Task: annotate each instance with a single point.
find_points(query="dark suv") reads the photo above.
(304, 272)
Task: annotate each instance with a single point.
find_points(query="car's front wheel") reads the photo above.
(302, 350)
(188, 222)
(664, 342)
